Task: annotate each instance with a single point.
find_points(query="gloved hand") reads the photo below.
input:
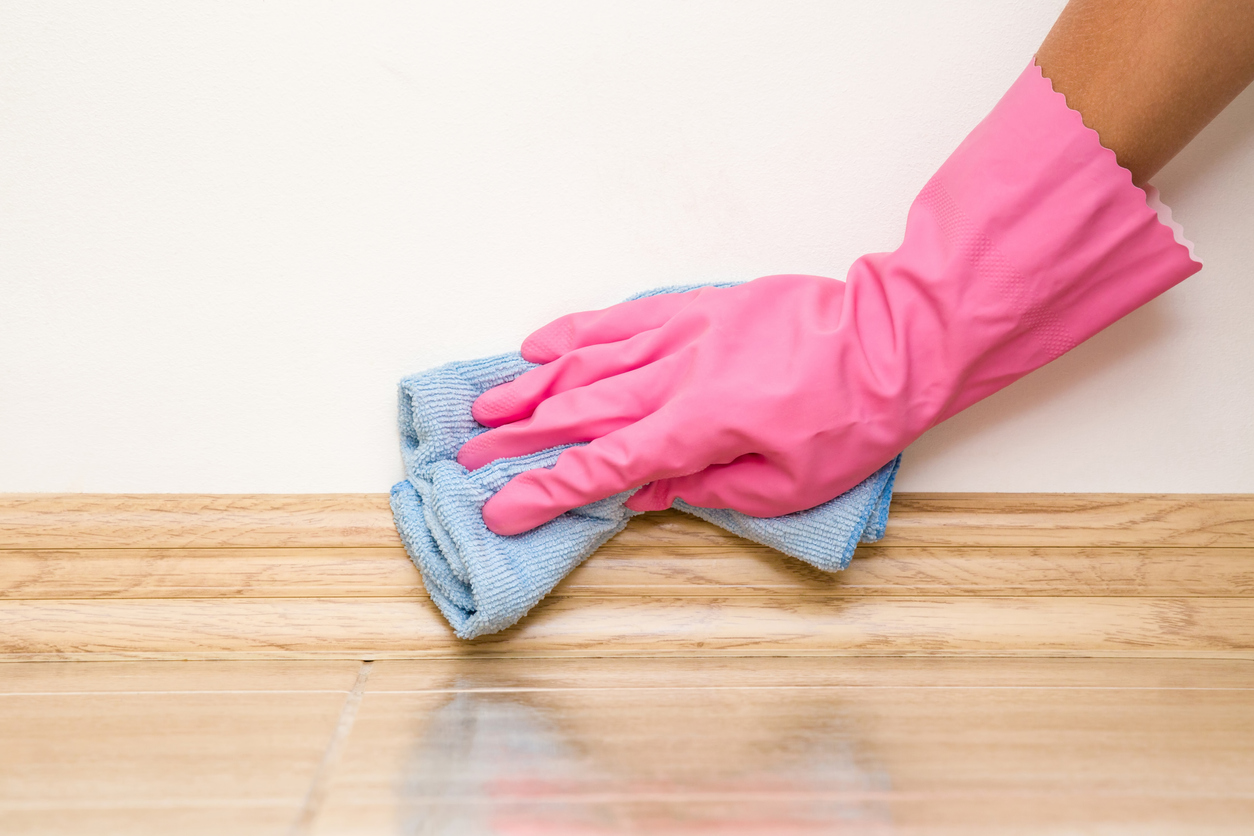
(782, 393)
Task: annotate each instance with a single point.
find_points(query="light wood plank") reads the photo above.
(564, 746)
(883, 747)
(171, 521)
(203, 573)
(169, 749)
(57, 521)
(682, 677)
(701, 571)
(722, 672)
(1007, 519)
(236, 819)
(834, 812)
(377, 628)
(918, 570)
(881, 626)
(1038, 814)
(162, 677)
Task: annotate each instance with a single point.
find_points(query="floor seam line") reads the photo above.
(330, 758)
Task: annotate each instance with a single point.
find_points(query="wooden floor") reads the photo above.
(997, 664)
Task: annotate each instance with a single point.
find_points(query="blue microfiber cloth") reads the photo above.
(484, 582)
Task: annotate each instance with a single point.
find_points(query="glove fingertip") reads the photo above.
(514, 510)
(493, 407)
(651, 497)
(550, 342)
(474, 453)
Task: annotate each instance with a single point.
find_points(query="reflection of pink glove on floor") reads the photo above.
(782, 393)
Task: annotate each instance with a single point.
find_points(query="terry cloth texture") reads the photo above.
(484, 582)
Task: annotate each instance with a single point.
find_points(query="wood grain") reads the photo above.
(747, 569)
(999, 662)
(528, 744)
(530, 673)
(163, 677)
(524, 673)
(183, 749)
(56, 521)
(139, 747)
(804, 755)
(174, 521)
(1007, 519)
(202, 577)
(238, 818)
(204, 573)
(689, 742)
(913, 571)
(382, 628)
(1024, 813)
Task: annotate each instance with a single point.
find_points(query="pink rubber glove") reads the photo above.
(782, 393)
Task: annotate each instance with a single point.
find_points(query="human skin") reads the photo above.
(1148, 75)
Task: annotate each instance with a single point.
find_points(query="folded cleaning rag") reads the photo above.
(484, 582)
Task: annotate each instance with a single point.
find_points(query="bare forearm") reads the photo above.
(1148, 75)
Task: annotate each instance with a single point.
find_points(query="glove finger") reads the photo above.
(645, 451)
(617, 322)
(751, 484)
(518, 399)
(578, 415)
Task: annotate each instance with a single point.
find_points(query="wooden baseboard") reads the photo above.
(112, 576)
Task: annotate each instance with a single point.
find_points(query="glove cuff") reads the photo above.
(1028, 240)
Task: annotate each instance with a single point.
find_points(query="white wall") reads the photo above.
(227, 228)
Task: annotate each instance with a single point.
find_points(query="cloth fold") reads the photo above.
(483, 582)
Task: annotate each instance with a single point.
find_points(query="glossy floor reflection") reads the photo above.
(539, 762)
(798, 745)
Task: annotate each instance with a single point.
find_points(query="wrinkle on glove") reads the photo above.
(484, 582)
